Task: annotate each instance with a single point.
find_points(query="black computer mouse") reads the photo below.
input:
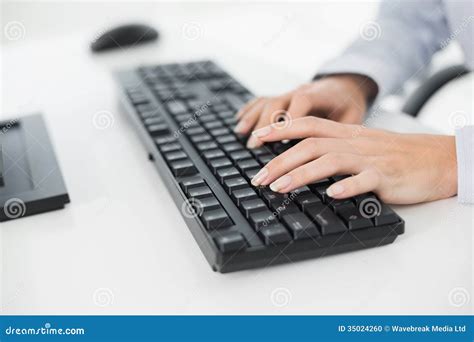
(125, 35)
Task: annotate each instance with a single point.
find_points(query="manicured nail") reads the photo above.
(259, 133)
(335, 190)
(281, 183)
(253, 142)
(241, 127)
(259, 177)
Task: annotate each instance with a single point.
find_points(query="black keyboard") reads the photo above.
(185, 115)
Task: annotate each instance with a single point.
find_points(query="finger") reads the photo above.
(302, 153)
(328, 165)
(303, 128)
(247, 106)
(298, 106)
(366, 181)
(250, 117)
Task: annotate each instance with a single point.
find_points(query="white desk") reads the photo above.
(121, 246)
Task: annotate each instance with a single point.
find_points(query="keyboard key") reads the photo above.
(206, 203)
(274, 234)
(231, 147)
(386, 216)
(265, 158)
(184, 167)
(321, 192)
(284, 208)
(191, 182)
(212, 154)
(244, 194)
(244, 165)
(261, 218)
(176, 107)
(219, 132)
(153, 120)
(200, 138)
(224, 139)
(227, 172)
(216, 219)
(240, 155)
(213, 124)
(230, 242)
(204, 146)
(232, 184)
(170, 147)
(199, 192)
(216, 164)
(172, 156)
(326, 220)
(300, 226)
(165, 140)
(322, 182)
(271, 196)
(337, 205)
(353, 218)
(252, 206)
(195, 131)
(249, 174)
(158, 129)
(303, 190)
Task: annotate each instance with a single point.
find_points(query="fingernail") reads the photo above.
(241, 127)
(280, 183)
(259, 133)
(253, 142)
(335, 190)
(259, 177)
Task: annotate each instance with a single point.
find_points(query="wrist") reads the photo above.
(361, 84)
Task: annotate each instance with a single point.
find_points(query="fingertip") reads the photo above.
(335, 191)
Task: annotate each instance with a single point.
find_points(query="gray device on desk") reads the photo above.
(30, 178)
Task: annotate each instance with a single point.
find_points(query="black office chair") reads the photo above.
(420, 96)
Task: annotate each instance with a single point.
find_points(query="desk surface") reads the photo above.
(121, 246)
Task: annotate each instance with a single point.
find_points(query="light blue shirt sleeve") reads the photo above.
(397, 46)
(465, 160)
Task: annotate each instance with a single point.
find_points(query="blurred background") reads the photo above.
(294, 37)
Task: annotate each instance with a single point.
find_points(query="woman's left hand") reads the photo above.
(399, 168)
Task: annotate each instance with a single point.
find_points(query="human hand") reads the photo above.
(341, 98)
(399, 168)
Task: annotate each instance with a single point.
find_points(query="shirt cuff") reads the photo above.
(465, 160)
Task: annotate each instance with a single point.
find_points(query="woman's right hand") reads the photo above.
(342, 98)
